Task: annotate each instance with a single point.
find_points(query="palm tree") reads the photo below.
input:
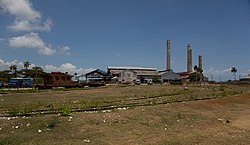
(13, 68)
(26, 64)
(233, 71)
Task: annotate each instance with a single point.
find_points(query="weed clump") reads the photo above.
(65, 111)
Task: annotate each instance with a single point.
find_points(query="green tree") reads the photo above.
(5, 75)
(26, 64)
(197, 75)
(233, 71)
(37, 70)
(37, 74)
(200, 72)
(156, 80)
(13, 68)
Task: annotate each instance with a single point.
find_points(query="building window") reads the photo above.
(63, 78)
(57, 78)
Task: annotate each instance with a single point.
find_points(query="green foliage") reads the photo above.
(26, 64)
(196, 76)
(65, 111)
(94, 104)
(20, 111)
(233, 71)
(156, 80)
(6, 75)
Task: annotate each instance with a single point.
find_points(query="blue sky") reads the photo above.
(78, 35)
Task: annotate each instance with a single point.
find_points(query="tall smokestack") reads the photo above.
(200, 61)
(189, 58)
(168, 55)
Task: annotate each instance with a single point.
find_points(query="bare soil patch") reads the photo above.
(187, 122)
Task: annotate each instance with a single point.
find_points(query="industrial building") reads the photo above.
(169, 75)
(130, 74)
(97, 75)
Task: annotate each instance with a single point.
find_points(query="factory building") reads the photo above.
(169, 75)
(131, 74)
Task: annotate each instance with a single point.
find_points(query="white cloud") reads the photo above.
(30, 25)
(211, 70)
(29, 20)
(219, 75)
(5, 65)
(65, 50)
(67, 67)
(31, 40)
(26, 17)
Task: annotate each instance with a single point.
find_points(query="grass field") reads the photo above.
(150, 114)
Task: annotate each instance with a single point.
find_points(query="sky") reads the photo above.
(82, 35)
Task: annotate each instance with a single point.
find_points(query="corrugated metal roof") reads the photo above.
(170, 75)
(97, 71)
(139, 70)
(131, 68)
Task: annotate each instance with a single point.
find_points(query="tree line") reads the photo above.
(13, 72)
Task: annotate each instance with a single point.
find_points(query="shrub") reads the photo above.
(65, 111)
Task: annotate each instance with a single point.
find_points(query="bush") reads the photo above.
(65, 111)
(156, 80)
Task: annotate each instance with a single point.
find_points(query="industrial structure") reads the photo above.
(125, 75)
(130, 74)
(189, 58)
(169, 75)
(168, 55)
